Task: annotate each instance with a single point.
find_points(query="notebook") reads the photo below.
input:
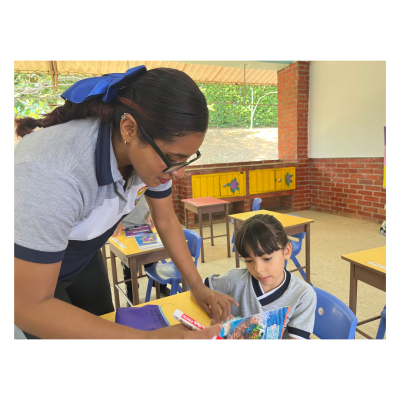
(137, 230)
(265, 325)
(148, 241)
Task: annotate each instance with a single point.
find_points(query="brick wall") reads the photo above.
(293, 95)
(351, 187)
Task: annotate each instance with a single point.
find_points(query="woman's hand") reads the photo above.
(119, 229)
(181, 332)
(150, 221)
(211, 302)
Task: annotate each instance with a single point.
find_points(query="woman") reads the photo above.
(116, 138)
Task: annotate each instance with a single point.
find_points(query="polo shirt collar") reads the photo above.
(106, 163)
(273, 296)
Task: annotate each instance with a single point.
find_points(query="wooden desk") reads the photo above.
(368, 266)
(207, 205)
(133, 257)
(292, 226)
(183, 301)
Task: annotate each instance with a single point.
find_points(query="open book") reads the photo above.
(266, 325)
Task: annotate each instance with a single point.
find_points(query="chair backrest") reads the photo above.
(256, 204)
(194, 243)
(299, 236)
(333, 319)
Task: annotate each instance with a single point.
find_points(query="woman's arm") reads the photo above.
(173, 238)
(39, 313)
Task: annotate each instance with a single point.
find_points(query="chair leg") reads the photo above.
(174, 287)
(382, 328)
(298, 266)
(158, 293)
(233, 241)
(148, 292)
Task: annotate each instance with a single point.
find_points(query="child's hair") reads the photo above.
(261, 234)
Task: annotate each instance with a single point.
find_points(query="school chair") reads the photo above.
(167, 273)
(333, 318)
(296, 249)
(382, 325)
(255, 207)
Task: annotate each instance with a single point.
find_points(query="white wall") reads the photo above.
(347, 109)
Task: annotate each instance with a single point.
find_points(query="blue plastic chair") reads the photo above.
(382, 325)
(333, 319)
(255, 207)
(296, 249)
(167, 273)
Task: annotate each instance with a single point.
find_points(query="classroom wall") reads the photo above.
(347, 109)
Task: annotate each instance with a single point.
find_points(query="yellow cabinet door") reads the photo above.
(229, 184)
(261, 181)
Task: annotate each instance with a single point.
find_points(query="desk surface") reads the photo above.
(183, 301)
(365, 257)
(285, 219)
(130, 243)
(204, 201)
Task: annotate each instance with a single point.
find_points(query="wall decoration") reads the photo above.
(288, 179)
(234, 185)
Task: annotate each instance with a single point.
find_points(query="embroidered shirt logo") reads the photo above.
(140, 193)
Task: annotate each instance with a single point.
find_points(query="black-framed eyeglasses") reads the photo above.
(171, 167)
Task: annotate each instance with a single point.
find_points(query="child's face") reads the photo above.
(268, 269)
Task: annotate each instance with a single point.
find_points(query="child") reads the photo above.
(265, 285)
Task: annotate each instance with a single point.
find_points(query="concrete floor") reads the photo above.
(331, 236)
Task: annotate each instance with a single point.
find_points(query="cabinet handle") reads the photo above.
(278, 180)
(224, 185)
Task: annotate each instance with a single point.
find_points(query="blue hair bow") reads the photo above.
(106, 85)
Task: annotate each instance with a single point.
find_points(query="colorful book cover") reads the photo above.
(146, 318)
(148, 241)
(137, 230)
(267, 325)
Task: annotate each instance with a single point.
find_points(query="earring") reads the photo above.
(125, 142)
(123, 117)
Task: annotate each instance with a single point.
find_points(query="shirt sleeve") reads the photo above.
(161, 191)
(219, 283)
(46, 205)
(301, 325)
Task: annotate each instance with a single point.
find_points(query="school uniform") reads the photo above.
(248, 292)
(69, 196)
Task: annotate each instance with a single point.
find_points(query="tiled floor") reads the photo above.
(331, 236)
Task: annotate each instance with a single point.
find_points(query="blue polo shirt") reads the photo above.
(69, 194)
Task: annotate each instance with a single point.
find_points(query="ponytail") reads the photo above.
(65, 113)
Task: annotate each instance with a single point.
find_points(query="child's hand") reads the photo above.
(212, 322)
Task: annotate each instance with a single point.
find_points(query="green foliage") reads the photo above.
(34, 97)
(235, 114)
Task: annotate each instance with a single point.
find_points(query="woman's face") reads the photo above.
(148, 164)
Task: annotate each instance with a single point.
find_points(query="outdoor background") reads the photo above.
(243, 123)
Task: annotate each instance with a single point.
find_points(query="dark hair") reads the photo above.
(261, 234)
(165, 101)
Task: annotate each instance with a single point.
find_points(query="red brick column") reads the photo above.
(293, 92)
